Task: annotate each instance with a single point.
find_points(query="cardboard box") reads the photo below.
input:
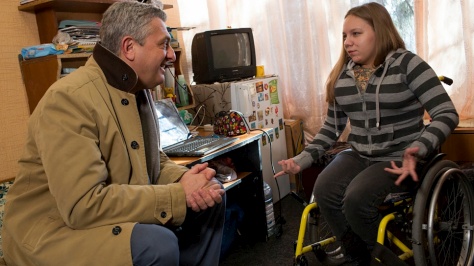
(295, 144)
(294, 136)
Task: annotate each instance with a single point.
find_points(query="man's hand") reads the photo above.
(203, 169)
(207, 196)
(289, 167)
(408, 166)
(200, 187)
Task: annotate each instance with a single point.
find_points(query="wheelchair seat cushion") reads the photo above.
(395, 197)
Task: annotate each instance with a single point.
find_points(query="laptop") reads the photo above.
(175, 138)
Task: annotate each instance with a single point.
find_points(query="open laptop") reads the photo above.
(177, 140)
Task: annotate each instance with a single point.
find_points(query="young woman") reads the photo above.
(383, 90)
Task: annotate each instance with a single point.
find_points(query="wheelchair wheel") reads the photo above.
(442, 217)
(318, 230)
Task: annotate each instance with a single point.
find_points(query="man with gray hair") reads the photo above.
(94, 187)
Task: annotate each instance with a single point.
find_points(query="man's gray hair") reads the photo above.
(128, 18)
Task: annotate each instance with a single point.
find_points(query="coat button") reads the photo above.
(125, 102)
(163, 214)
(134, 145)
(124, 77)
(116, 230)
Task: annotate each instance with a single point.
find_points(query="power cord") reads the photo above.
(184, 88)
(202, 106)
(279, 221)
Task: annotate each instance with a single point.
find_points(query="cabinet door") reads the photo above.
(38, 74)
(458, 146)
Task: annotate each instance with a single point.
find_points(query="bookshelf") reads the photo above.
(50, 12)
(40, 73)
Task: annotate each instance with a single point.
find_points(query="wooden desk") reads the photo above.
(459, 147)
(247, 190)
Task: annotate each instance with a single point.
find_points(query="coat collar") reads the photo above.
(118, 73)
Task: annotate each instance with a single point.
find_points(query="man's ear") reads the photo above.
(128, 48)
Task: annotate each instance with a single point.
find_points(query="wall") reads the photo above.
(175, 21)
(19, 30)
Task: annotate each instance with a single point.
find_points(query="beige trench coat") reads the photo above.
(82, 183)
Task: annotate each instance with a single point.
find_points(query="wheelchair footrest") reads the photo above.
(332, 258)
(381, 255)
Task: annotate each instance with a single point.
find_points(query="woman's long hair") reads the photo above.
(387, 39)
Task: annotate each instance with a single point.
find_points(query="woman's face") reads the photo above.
(359, 41)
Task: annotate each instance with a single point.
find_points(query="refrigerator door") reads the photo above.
(261, 105)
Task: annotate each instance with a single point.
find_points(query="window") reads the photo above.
(402, 13)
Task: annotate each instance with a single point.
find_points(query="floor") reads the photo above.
(277, 250)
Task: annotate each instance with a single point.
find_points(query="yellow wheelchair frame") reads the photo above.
(382, 232)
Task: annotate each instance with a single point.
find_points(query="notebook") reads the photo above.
(177, 140)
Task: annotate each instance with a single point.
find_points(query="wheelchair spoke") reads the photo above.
(442, 229)
(449, 239)
(450, 248)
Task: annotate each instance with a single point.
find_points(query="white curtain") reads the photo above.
(444, 39)
(300, 40)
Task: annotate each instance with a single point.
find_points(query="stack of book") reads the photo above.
(22, 2)
(174, 37)
(84, 34)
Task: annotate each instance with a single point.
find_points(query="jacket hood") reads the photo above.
(389, 59)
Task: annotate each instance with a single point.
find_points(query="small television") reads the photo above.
(223, 55)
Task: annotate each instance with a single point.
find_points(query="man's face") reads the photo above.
(152, 57)
(359, 41)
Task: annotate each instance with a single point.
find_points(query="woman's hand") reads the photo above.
(289, 167)
(408, 166)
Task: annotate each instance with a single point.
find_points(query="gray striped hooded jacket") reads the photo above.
(388, 117)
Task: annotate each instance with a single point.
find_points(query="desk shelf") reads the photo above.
(237, 181)
(247, 189)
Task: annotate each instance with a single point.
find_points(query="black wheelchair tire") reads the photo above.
(442, 176)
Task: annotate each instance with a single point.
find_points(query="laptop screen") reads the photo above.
(172, 127)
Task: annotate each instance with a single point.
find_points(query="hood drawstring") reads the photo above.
(334, 105)
(335, 118)
(377, 102)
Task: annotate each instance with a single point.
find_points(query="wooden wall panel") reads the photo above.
(18, 30)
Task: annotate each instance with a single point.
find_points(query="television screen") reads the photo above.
(231, 50)
(223, 55)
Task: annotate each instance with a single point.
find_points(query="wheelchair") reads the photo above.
(433, 225)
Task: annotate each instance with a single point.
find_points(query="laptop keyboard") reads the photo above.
(193, 145)
(198, 146)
